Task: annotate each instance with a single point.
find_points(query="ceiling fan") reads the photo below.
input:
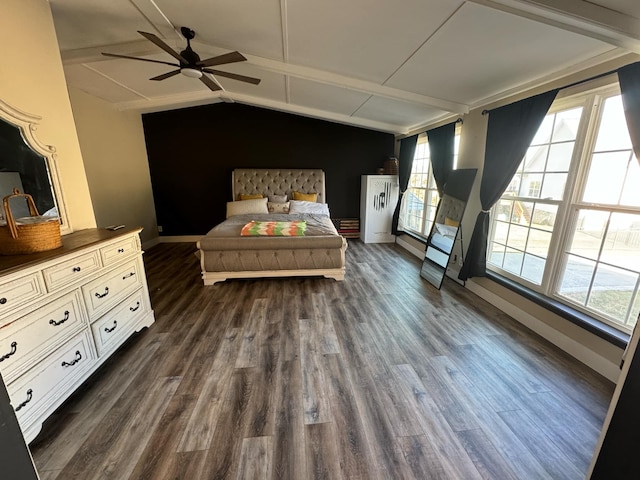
(190, 64)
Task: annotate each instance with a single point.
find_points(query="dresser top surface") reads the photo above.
(70, 243)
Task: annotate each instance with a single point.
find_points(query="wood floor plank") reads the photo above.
(422, 458)
(289, 458)
(322, 452)
(256, 458)
(314, 395)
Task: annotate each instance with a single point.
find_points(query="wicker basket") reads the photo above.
(28, 238)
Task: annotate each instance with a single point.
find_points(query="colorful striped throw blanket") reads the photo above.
(280, 229)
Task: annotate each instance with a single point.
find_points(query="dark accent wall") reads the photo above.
(192, 152)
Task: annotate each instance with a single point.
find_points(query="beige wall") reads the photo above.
(32, 80)
(115, 158)
(587, 347)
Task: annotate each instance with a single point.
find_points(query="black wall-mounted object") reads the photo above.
(446, 226)
(193, 151)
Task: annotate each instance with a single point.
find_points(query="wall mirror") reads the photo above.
(28, 165)
(446, 225)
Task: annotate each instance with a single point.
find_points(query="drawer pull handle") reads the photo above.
(14, 347)
(74, 361)
(133, 309)
(130, 274)
(102, 295)
(29, 397)
(109, 330)
(66, 317)
(76, 269)
(3, 301)
(121, 250)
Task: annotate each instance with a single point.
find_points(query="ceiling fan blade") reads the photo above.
(166, 75)
(153, 38)
(235, 76)
(232, 57)
(213, 86)
(138, 58)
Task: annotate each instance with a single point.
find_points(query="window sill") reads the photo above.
(598, 328)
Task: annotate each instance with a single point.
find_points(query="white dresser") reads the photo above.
(378, 200)
(63, 313)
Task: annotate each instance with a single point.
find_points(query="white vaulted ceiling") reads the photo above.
(388, 65)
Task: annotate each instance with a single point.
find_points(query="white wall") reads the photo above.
(115, 159)
(32, 80)
(595, 352)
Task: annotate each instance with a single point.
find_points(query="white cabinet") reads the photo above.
(63, 313)
(378, 200)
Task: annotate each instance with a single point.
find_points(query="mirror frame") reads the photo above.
(28, 125)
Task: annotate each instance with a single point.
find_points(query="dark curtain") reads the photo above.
(629, 79)
(441, 149)
(407, 151)
(509, 133)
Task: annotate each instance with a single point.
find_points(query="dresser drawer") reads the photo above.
(117, 251)
(19, 291)
(69, 271)
(107, 290)
(31, 337)
(110, 330)
(41, 387)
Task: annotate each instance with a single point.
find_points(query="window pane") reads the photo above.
(535, 159)
(513, 261)
(544, 216)
(635, 311)
(502, 210)
(543, 135)
(501, 231)
(613, 133)
(538, 243)
(560, 157)
(612, 291)
(521, 213)
(631, 192)
(606, 176)
(496, 254)
(576, 278)
(517, 237)
(566, 125)
(589, 232)
(533, 268)
(529, 184)
(553, 186)
(622, 242)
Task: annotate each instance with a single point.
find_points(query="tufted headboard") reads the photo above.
(278, 181)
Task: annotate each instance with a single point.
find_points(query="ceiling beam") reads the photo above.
(577, 16)
(140, 48)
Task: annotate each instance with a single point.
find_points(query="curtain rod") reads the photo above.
(579, 82)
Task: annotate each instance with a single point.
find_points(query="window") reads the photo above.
(568, 225)
(422, 192)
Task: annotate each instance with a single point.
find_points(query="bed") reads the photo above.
(320, 251)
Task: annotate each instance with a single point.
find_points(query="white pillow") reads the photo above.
(258, 205)
(300, 206)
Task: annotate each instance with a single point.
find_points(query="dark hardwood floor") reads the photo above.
(377, 377)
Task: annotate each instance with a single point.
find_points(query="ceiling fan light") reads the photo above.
(191, 72)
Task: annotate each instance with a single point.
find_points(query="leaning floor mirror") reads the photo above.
(446, 225)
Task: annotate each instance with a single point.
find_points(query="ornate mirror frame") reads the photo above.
(28, 125)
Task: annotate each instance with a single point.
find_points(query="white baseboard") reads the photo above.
(585, 355)
(410, 248)
(150, 243)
